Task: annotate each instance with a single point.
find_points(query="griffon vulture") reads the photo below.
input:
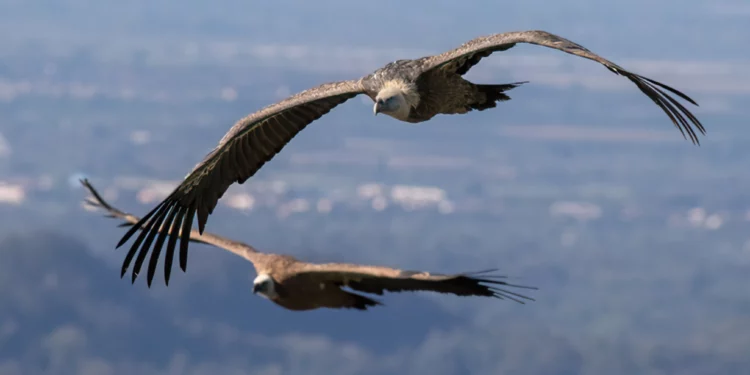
(407, 90)
(297, 285)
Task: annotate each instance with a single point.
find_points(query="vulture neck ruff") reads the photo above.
(406, 93)
(265, 287)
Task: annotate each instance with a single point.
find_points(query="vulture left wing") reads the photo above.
(374, 279)
(461, 59)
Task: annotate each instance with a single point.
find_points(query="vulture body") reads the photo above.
(299, 286)
(412, 91)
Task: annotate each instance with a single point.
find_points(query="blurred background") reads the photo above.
(580, 185)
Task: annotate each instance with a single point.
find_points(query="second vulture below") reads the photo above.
(297, 285)
(408, 90)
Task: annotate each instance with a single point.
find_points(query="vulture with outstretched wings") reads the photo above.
(408, 90)
(298, 285)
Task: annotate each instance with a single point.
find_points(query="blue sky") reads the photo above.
(698, 46)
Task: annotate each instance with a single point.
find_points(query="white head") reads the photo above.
(265, 286)
(396, 100)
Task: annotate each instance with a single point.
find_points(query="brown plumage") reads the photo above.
(408, 90)
(297, 285)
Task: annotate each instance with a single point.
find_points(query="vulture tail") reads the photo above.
(489, 95)
(359, 302)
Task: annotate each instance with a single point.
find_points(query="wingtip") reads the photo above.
(122, 242)
(484, 271)
(201, 225)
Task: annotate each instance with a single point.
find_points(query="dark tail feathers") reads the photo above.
(360, 302)
(492, 95)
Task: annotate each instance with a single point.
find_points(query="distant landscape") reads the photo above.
(579, 185)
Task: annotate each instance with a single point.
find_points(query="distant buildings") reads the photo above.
(276, 195)
(287, 199)
(583, 211)
(12, 194)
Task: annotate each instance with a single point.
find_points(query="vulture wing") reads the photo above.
(461, 59)
(249, 144)
(374, 279)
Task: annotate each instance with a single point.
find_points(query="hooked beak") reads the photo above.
(256, 288)
(377, 107)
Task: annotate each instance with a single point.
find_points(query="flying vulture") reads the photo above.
(407, 90)
(297, 285)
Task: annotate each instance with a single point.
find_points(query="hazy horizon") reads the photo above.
(578, 185)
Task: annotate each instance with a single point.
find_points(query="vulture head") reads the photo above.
(265, 286)
(392, 101)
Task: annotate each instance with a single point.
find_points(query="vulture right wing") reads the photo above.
(375, 279)
(249, 144)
